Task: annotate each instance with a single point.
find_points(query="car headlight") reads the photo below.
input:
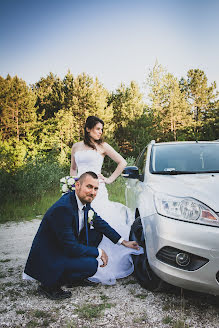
(185, 209)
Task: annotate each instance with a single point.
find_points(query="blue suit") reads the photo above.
(59, 254)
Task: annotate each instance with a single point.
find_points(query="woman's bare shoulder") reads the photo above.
(106, 146)
(77, 146)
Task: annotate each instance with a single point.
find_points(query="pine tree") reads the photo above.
(203, 98)
(50, 96)
(17, 107)
(127, 106)
(168, 104)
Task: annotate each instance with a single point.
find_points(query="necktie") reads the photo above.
(85, 209)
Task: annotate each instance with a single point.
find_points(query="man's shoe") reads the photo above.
(54, 293)
(82, 283)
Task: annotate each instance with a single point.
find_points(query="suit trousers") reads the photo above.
(83, 267)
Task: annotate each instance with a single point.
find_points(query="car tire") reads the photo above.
(142, 271)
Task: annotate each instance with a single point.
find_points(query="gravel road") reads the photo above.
(125, 304)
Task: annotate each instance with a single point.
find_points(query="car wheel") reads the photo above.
(145, 276)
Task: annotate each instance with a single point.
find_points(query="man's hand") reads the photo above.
(104, 258)
(130, 244)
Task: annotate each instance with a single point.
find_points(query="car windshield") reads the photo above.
(185, 158)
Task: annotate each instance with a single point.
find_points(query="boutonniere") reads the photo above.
(91, 217)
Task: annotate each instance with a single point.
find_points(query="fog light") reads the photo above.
(182, 259)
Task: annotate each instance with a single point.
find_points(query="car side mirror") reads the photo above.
(131, 172)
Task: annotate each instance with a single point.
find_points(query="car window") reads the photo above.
(195, 157)
(141, 160)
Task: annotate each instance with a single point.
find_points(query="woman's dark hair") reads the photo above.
(90, 124)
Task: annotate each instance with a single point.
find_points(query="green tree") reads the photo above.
(168, 105)
(203, 99)
(50, 95)
(128, 106)
(18, 114)
(85, 96)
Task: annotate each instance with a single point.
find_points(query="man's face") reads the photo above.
(87, 190)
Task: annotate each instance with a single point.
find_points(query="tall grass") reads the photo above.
(31, 180)
(32, 189)
(30, 207)
(116, 190)
(27, 209)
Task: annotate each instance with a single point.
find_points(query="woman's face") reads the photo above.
(96, 132)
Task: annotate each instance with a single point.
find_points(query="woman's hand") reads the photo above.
(104, 179)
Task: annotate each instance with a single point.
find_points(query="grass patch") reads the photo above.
(40, 314)
(70, 324)
(35, 187)
(141, 319)
(104, 298)
(116, 190)
(11, 272)
(129, 282)
(179, 324)
(166, 320)
(2, 275)
(32, 324)
(8, 284)
(27, 209)
(12, 293)
(141, 296)
(4, 261)
(92, 311)
(20, 311)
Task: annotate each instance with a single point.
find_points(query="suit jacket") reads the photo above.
(57, 241)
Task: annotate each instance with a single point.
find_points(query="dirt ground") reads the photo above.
(125, 304)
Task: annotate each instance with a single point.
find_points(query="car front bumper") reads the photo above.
(193, 238)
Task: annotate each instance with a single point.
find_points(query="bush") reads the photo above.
(33, 179)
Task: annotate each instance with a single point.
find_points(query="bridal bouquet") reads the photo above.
(67, 184)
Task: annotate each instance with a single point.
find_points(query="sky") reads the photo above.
(115, 40)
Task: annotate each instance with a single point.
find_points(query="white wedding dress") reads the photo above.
(117, 215)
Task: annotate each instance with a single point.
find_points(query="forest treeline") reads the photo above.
(46, 118)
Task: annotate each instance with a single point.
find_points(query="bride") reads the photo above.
(88, 155)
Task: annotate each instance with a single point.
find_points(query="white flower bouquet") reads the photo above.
(67, 184)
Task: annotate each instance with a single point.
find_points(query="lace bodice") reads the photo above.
(88, 160)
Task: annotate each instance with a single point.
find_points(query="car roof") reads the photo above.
(182, 142)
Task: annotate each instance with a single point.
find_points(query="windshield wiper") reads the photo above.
(175, 172)
(210, 171)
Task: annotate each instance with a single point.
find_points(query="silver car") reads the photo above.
(174, 191)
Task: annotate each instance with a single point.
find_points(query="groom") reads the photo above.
(64, 250)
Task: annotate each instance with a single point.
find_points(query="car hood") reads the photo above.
(203, 187)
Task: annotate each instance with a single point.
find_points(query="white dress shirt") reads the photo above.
(81, 220)
(81, 223)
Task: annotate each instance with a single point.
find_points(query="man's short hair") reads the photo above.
(90, 173)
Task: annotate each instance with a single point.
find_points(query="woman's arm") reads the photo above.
(116, 157)
(73, 168)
